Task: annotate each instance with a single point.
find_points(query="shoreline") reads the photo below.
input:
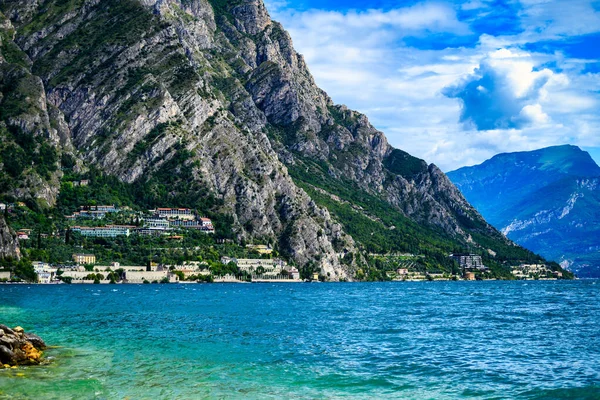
(288, 281)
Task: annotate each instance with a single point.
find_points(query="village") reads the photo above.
(169, 223)
(471, 269)
(84, 269)
(173, 223)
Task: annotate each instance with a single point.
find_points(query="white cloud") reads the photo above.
(503, 92)
(432, 17)
(472, 5)
(360, 59)
(534, 114)
(552, 19)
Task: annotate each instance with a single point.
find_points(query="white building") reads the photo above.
(154, 227)
(45, 272)
(175, 213)
(160, 223)
(109, 231)
(150, 276)
(269, 267)
(115, 266)
(469, 261)
(106, 209)
(294, 273)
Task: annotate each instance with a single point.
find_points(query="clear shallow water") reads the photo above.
(435, 340)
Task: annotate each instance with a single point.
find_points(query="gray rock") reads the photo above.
(35, 340)
(9, 341)
(9, 247)
(20, 348)
(7, 356)
(7, 330)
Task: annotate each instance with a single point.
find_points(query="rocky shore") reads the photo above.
(18, 347)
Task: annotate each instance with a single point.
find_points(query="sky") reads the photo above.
(456, 82)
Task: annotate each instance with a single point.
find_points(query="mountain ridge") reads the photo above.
(208, 99)
(548, 203)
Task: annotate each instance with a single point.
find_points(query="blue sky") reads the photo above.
(455, 82)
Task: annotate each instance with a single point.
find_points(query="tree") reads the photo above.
(180, 274)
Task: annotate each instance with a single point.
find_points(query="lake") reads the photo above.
(408, 340)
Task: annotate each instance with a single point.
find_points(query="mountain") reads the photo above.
(206, 104)
(547, 200)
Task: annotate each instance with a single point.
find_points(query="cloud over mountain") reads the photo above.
(502, 93)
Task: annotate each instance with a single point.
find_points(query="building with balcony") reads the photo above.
(176, 213)
(82, 259)
(469, 261)
(109, 231)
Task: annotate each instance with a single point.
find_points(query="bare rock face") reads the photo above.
(9, 245)
(251, 16)
(28, 117)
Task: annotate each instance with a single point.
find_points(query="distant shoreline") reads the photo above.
(286, 281)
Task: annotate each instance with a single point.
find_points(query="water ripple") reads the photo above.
(439, 340)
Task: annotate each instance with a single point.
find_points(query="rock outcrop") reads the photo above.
(33, 133)
(18, 347)
(9, 245)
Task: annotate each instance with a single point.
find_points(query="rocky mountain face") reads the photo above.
(33, 132)
(9, 246)
(547, 200)
(213, 94)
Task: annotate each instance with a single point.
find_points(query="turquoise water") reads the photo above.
(430, 340)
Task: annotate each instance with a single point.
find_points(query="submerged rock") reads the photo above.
(18, 347)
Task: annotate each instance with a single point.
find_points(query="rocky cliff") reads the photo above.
(9, 246)
(33, 132)
(213, 94)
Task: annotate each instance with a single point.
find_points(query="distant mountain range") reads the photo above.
(546, 200)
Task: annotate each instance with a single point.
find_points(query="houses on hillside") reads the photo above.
(24, 234)
(46, 273)
(174, 218)
(535, 271)
(93, 212)
(153, 222)
(109, 231)
(175, 213)
(469, 261)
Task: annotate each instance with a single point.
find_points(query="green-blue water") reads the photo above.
(435, 340)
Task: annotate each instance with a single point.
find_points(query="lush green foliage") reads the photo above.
(381, 229)
(222, 8)
(21, 269)
(22, 153)
(51, 241)
(401, 163)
